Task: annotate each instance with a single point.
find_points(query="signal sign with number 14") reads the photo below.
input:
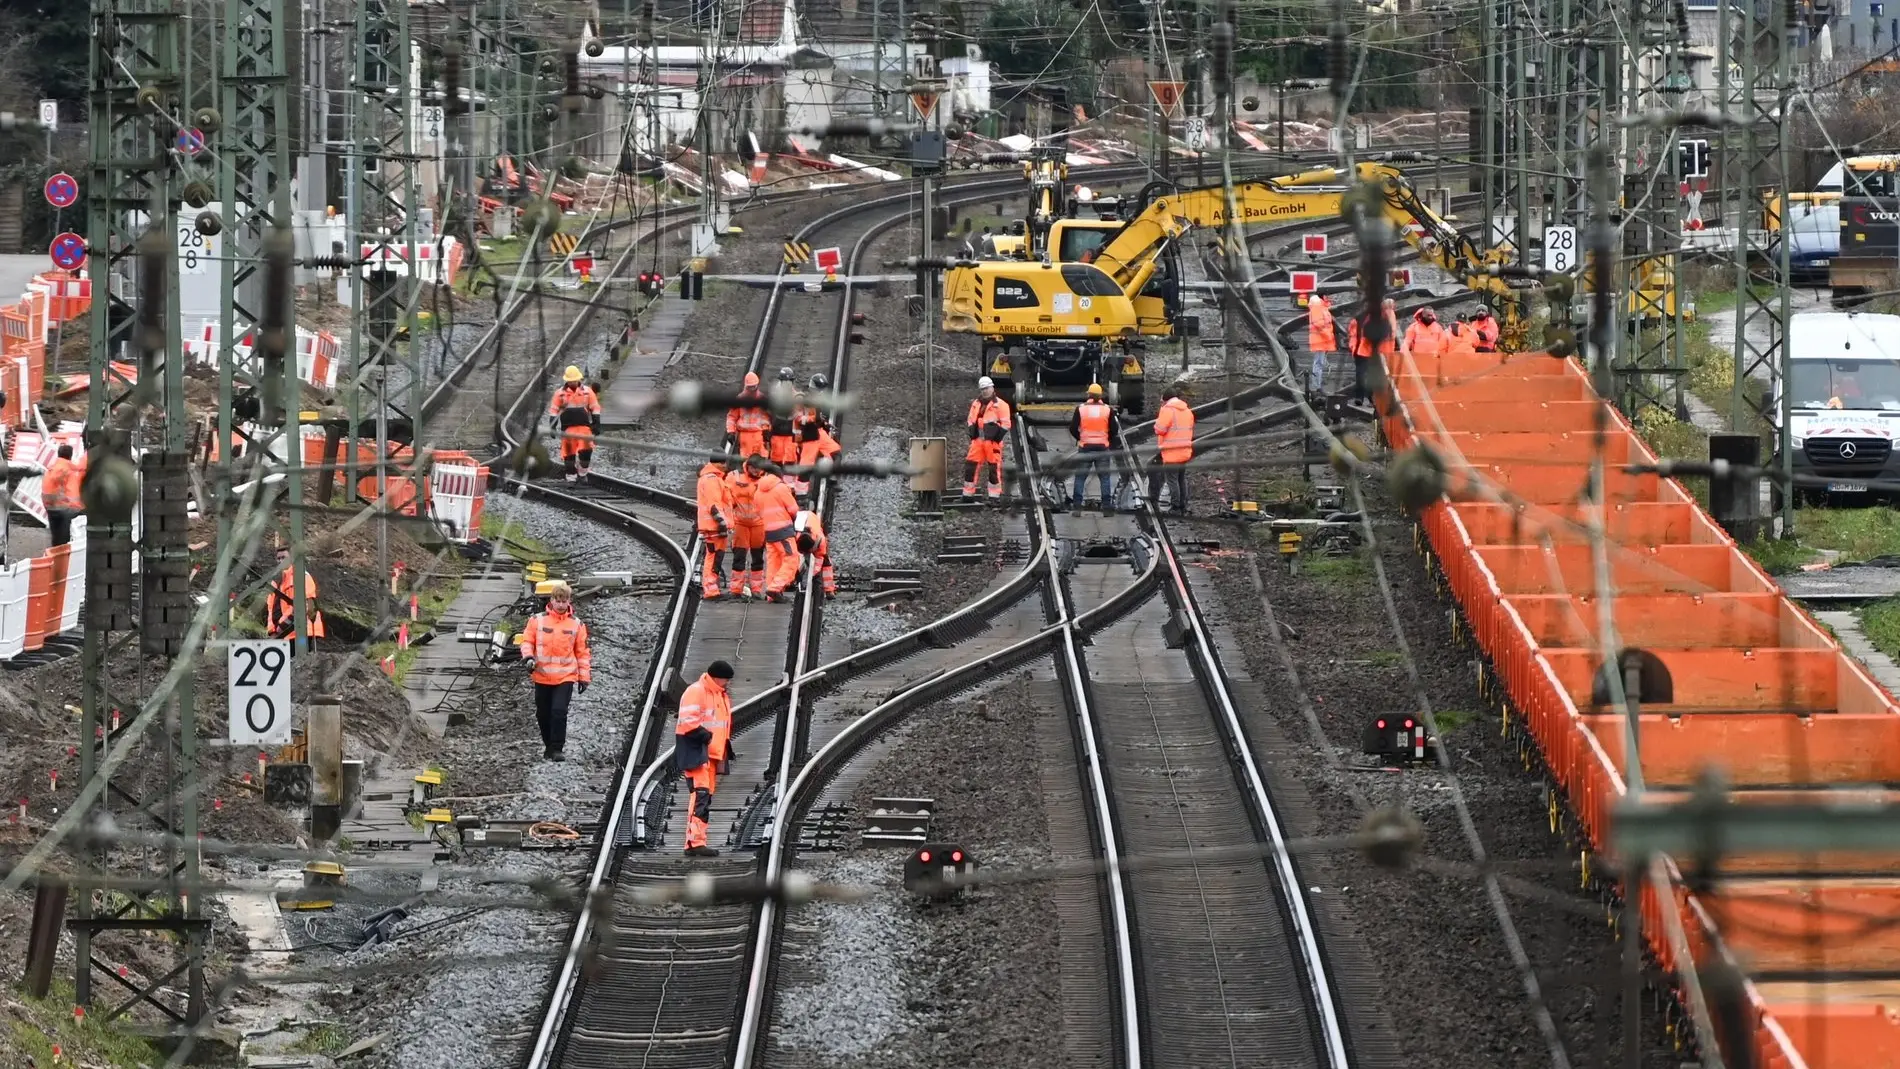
(259, 691)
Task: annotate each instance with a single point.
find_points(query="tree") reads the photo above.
(56, 62)
(1025, 38)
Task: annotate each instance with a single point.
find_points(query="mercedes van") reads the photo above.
(1844, 403)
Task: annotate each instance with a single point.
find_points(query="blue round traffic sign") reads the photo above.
(191, 142)
(69, 250)
(62, 190)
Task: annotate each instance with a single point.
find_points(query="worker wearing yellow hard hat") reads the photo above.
(575, 414)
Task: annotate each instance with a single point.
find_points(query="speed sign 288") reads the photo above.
(259, 691)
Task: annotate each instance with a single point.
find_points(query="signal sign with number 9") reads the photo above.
(259, 692)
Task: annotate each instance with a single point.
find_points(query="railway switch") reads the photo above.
(1396, 738)
(939, 870)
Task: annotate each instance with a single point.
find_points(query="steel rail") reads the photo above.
(1088, 737)
(1212, 676)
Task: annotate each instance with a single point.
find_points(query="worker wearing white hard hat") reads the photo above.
(989, 424)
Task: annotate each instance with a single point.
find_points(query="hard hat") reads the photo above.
(751, 378)
(572, 374)
(785, 374)
(1095, 389)
(985, 383)
(819, 382)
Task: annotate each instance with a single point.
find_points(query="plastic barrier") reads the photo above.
(456, 488)
(1756, 687)
(434, 265)
(14, 581)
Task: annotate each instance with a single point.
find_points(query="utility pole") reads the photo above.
(1760, 153)
(1650, 358)
(387, 201)
(136, 108)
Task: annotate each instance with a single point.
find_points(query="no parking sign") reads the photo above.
(62, 190)
(69, 251)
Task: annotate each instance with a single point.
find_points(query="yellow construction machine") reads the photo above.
(1073, 308)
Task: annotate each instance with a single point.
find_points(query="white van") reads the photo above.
(1844, 389)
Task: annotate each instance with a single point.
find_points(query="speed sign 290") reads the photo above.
(259, 691)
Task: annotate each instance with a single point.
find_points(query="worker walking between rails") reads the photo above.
(989, 425)
(748, 530)
(702, 748)
(1174, 433)
(715, 527)
(1424, 337)
(554, 642)
(813, 543)
(1487, 330)
(778, 513)
(59, 491)
(575, 414)
(1095, 432)
(280, 602)
(782, 430)
(747, 421)
(1322, 338)
(817, 438)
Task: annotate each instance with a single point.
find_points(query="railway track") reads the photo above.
(691, 987)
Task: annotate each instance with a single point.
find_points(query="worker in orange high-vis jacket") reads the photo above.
(714, 526)
(748, 530)
(280, 602)
(59, 492)
(1425, 336)
(813, 543)
(554, 643)
(778, 508)
(1093, 427)
(1460, 339)
(989, 427)
(1487, 329)
(748, 420)
(575, 414)
(1322, 338)
(1365, 352)
(1174, 434)
(702, 748)
(781, 435)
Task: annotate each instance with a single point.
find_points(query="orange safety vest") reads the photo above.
(714, 499)
(1321, 337)
(707, 704)
(807, 522)
(748, 421)
(558, 643)
(59, 487)
(777, 504)
(1093, 418)
(1487, 331)
(983, 414)
(575, 407)
(1461, 340)
(744, 493)
(1174, 431)
(1425, 339)
(282, 605)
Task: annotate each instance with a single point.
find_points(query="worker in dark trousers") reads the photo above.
(59, 491)
(554, 643)
(701, 749)
(1174, 434)
(1093, 426)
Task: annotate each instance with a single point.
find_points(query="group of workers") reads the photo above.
(1471, 332)
(752, 510)
(1097, 434)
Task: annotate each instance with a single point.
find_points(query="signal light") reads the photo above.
(1394, 740)
(939, 871)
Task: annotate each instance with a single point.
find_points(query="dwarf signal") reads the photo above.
(651, 283)
(1397, 738)
(939, 870)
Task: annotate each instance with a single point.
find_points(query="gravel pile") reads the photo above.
(972, 982)
(1349, 663)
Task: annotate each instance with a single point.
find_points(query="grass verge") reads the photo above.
(40, 1025)
(520, 546)
(1880, 622)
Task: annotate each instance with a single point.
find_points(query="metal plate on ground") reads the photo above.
(898, 821)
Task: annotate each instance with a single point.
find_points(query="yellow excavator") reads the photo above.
(1077, 313)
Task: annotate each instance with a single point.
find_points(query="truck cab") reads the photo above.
(1844, 403)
